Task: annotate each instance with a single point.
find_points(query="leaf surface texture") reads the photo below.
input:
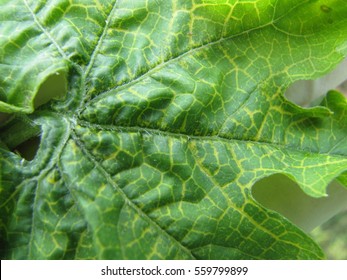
(174, 109)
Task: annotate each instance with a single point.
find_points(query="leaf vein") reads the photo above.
(125, 198)
(39, 24)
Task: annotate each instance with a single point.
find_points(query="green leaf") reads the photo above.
(174, 110)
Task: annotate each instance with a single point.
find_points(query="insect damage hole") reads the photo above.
(28, 149)
(307, 92)
(21, 137)
(279, 193)
(54, 87)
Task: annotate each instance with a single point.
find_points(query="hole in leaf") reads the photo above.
(28, 148)
(279, 193)
(54, 87)
(22, 137)
(304, 92)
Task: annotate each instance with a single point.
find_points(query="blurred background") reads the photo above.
(332, 235)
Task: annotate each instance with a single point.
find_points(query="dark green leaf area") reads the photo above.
(173, 181)
(173, 111)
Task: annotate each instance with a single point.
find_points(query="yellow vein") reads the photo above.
(158, 131)
(138, 210)
(60, 50)
(198, 48)
(101, 38)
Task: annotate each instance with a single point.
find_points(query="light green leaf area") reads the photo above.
(174, 109)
